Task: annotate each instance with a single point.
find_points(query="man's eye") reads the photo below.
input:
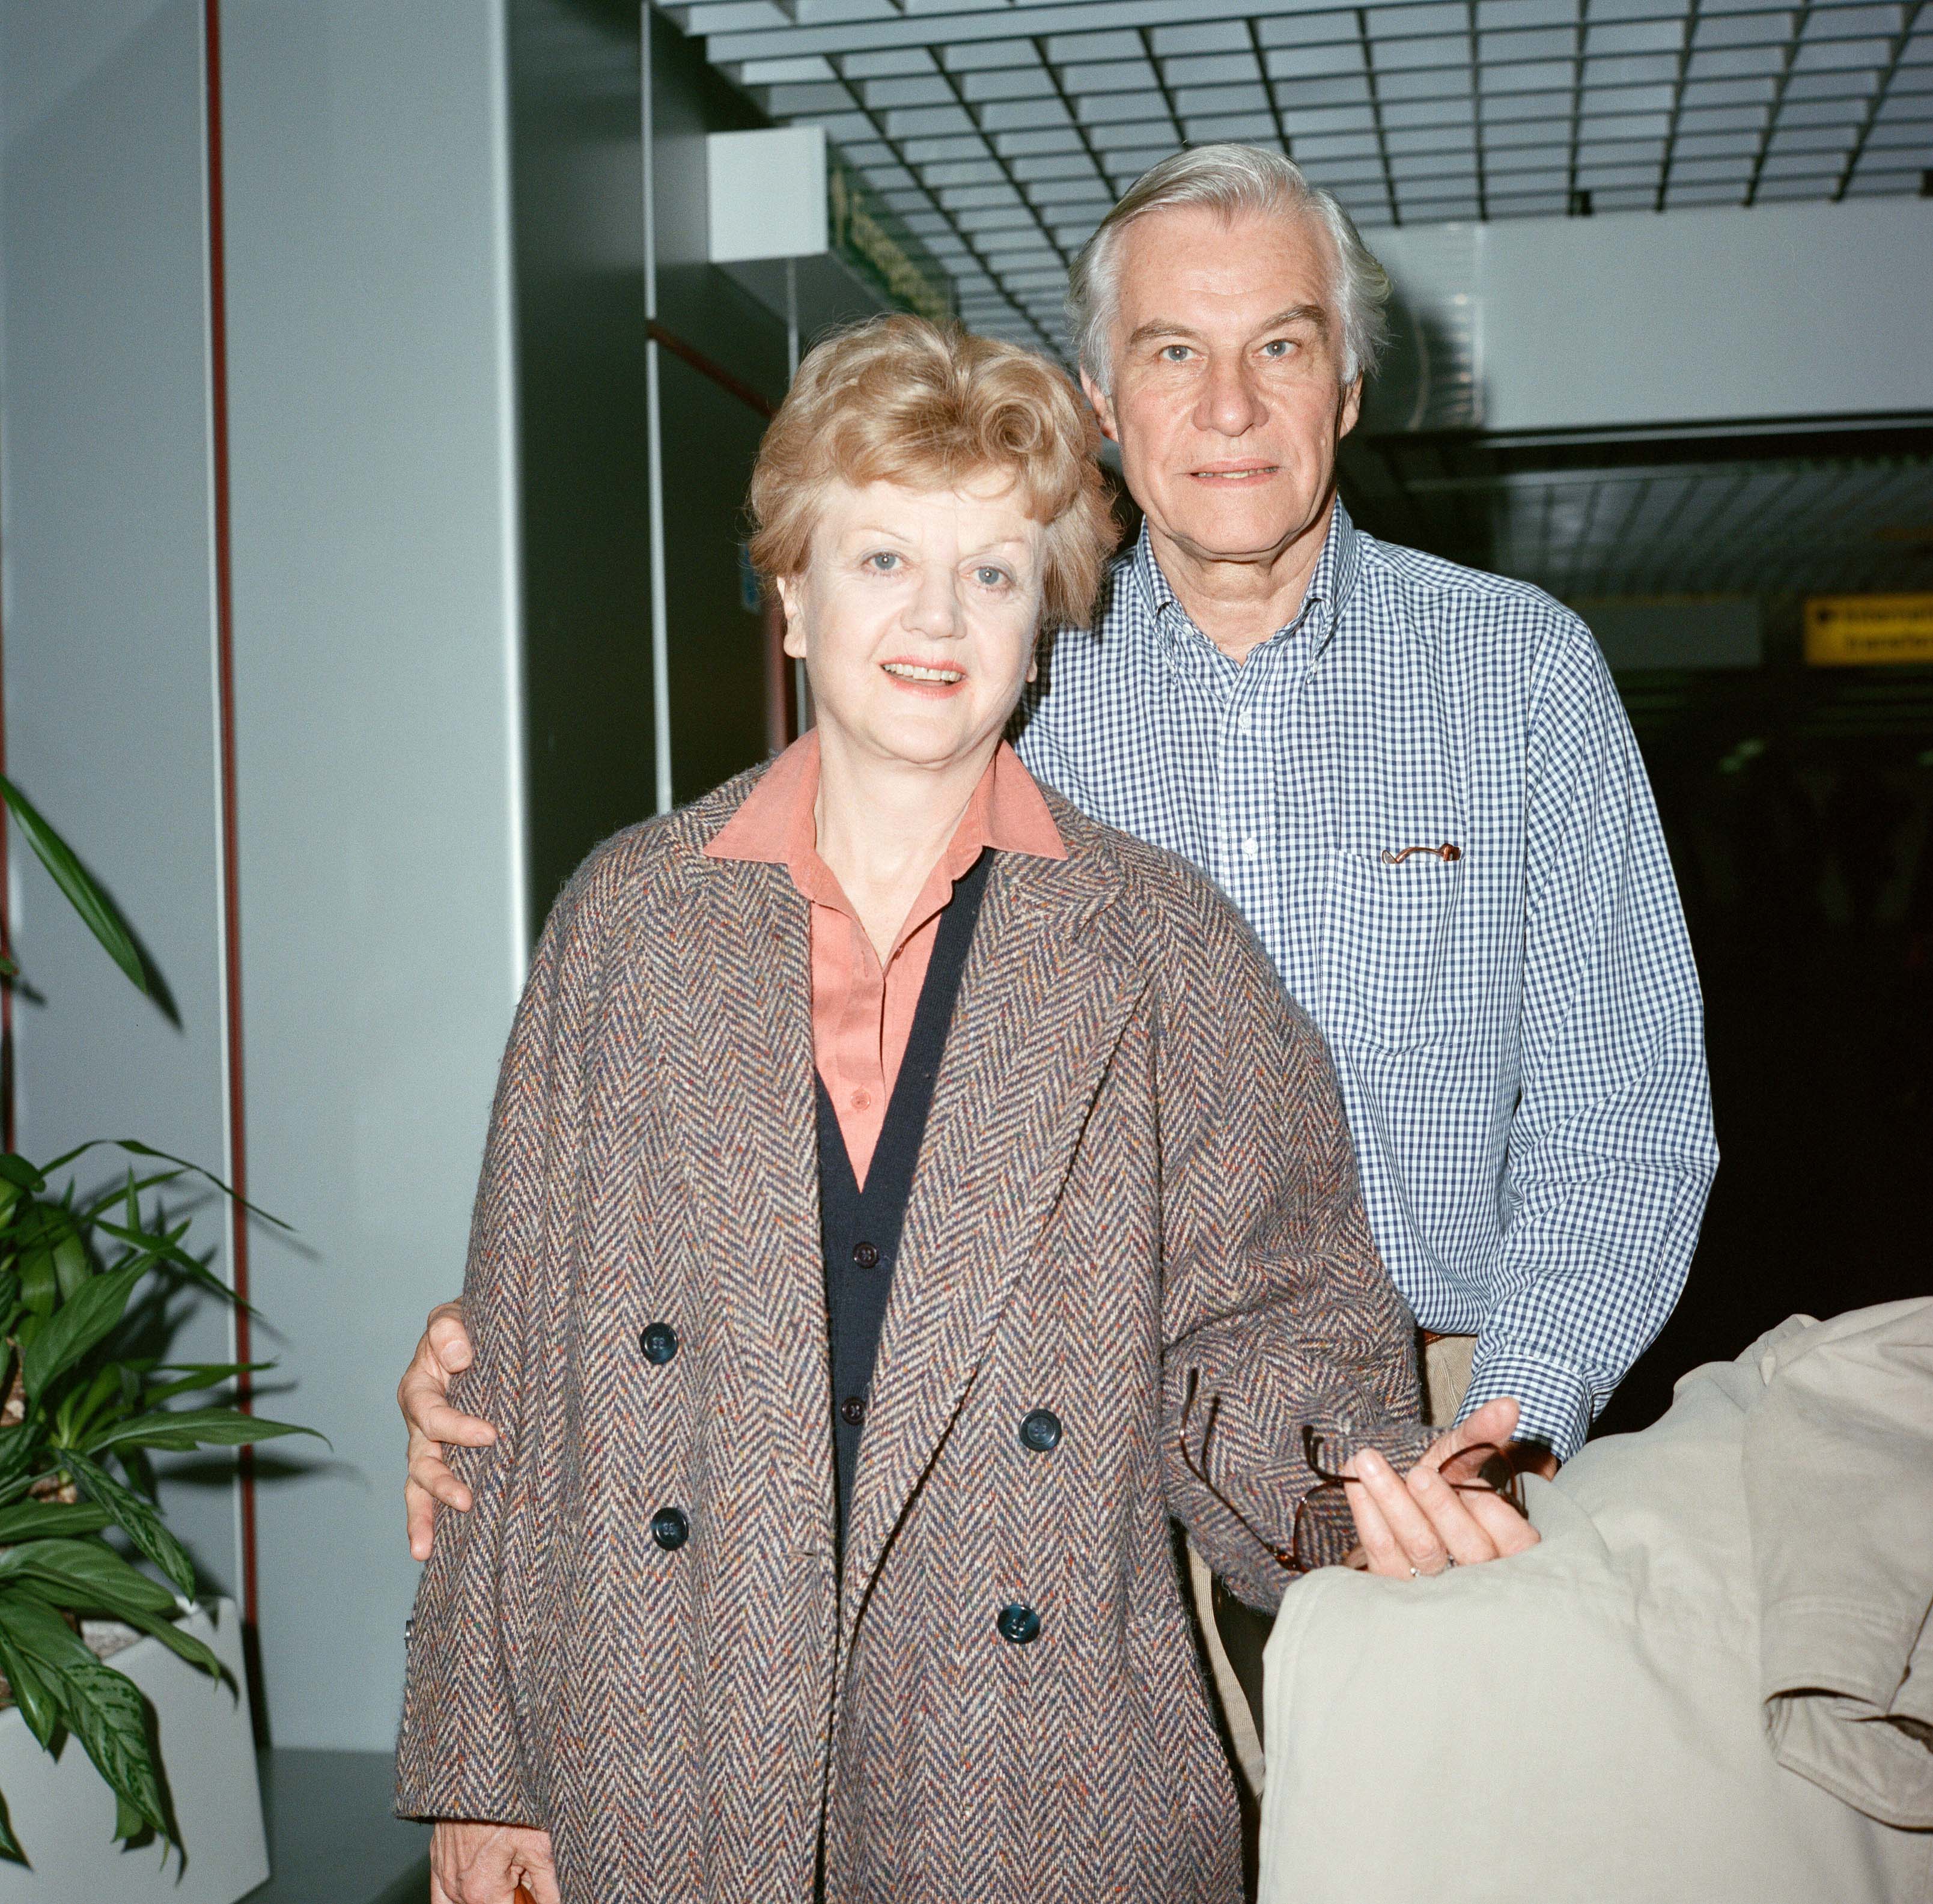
(1176, 353)
(1278, 347)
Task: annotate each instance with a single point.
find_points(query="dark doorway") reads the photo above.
(1798, 803)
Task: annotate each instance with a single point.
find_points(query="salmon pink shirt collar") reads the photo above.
(775, 823)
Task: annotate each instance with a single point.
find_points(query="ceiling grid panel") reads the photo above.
(1687, 31)
(1013, 312)
(1910, 17)
(1780, 82)
(1001, 129)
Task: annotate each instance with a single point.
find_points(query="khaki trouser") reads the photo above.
(1446, 1380)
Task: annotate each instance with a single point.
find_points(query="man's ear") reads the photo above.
(1351, 408)
(1103, 404)
(788, 591)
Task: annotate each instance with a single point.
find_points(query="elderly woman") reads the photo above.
(902, 1195)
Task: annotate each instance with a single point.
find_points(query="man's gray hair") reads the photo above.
(1232, 179)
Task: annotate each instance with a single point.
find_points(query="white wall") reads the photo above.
(379, 799)
(109, 597)
(1703, 316)
(380, 810)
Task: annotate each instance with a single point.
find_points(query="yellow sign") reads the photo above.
(1866, 631)
(867, 235)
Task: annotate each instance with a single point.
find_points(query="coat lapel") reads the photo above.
(732, 965)
(1041, 1004)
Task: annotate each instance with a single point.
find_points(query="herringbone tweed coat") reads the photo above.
(1136, 1171)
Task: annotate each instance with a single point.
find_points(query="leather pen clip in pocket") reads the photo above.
(1446, 853)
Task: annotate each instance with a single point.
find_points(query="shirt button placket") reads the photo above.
(1228, 777)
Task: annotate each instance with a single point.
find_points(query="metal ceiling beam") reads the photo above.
(1499, 157)
(1650, 118)
(855, 88)
(1686, 37)
(1909, 19)
(727, 46)
(734, 31)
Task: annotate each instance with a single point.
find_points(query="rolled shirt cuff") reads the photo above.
(1553, 1399)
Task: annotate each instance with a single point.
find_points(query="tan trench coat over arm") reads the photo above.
(1135, 1166)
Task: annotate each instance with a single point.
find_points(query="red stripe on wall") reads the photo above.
(732, 387)
(231, 910)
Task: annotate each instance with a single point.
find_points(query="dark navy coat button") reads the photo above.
(670, 1529)
(852, 1410)
(659, 1342)
(1020, 1624)
(1040, 1431)
(866, 1255)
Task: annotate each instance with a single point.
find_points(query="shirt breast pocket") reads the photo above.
(1385, 941)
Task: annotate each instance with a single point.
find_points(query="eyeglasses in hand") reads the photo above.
(1323, 1525)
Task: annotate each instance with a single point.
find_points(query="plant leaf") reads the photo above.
(50, 1520)
(85, 1575)
(20, 1173)
(190, 1648)
(17, 1447)
(31, 1693)
(76, 1325)
(10, 1847)
(154, 1249)
(81, 1409)
(102, 1708)
(88, 1211)
(138, 1518)
(177, 1429)
(135, 1148)
(108, 1715)
(96, 909)
(194, 1377)
(39, 1288)
(72, 1267)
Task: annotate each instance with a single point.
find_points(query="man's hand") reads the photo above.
(444, 1351)
(1419, 1523)
(485, 1863)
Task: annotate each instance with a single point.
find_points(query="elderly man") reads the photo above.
(1414, 779)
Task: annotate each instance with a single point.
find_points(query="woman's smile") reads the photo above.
(933, 679)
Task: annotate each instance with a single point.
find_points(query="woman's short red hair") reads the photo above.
(897, 399)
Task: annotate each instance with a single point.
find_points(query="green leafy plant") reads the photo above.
(85, 1285)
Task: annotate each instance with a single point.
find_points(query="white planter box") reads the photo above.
(64, 1815)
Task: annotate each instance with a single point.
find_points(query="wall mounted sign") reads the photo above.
(874, 244)
(1867, 631)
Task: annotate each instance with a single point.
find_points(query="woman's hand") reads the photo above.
(1419, 1524)
(444, 1351)
(484, 1864)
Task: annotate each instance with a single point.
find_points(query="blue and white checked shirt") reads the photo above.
(1518, 1029)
